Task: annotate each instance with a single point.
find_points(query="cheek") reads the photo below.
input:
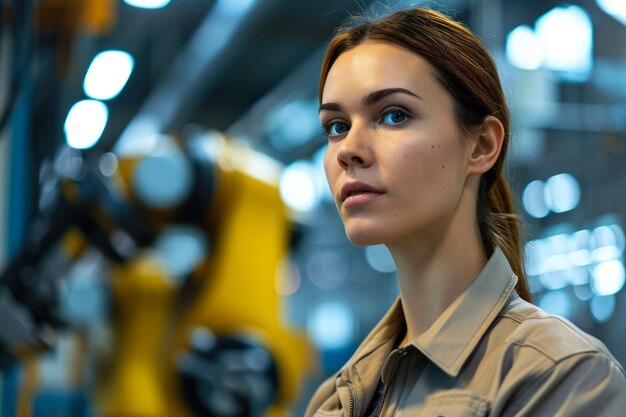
(417, 163)
(433, 167)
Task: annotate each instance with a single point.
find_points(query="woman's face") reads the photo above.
(396, 160)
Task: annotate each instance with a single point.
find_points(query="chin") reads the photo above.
(364, 237)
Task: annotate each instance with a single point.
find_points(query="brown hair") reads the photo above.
(466, 70)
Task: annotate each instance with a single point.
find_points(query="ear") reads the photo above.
(486, 145)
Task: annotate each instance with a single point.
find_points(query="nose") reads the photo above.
(355, 150)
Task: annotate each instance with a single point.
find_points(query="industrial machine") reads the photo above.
(189, 238)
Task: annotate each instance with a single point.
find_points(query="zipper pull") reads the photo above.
(391, 363)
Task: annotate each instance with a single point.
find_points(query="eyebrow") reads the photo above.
(371, 98)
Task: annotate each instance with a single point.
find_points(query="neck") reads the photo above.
(436, 267)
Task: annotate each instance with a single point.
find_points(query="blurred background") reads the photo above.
(168, 246)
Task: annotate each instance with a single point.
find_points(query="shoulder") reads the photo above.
(549, 367)
(553, 337)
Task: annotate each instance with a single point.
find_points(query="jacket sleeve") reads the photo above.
(582, 385)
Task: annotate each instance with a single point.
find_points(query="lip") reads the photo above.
(358, 193)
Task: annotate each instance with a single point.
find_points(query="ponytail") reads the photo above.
(499, 225)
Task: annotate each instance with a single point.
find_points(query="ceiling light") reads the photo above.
(85, 123)
(107, 75)
(148, 4)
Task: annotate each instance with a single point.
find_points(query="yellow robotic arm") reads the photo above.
(196, 329)
(219, 340)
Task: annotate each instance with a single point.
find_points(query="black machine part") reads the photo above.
(28, 296)
(227, 376)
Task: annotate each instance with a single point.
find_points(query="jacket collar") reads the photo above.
(456, 332)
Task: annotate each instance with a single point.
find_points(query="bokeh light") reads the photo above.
(331, 325)
(608, 277)
(379, 258)
(148, 4)
(523, 48)
(107, 74)
(566, 36)
(602, 307)
(615, 8)
(297, 187)
(533, 199)
(562, 193)
(557, 302)
(85, 123)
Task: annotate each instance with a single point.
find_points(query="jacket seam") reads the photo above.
(587, 345)
(555, 361)
(566, 324)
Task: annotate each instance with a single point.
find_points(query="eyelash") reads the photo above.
(326, 126)
(379, 118)
(392, 109)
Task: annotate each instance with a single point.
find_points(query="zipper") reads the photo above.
(401, 352)
(352, 395)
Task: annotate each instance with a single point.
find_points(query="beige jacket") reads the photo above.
(489, 354)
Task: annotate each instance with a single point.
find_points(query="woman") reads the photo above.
(417, 131)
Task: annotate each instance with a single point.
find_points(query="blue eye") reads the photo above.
(394, 117)
(337, 128)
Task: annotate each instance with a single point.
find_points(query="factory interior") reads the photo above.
(168, 242)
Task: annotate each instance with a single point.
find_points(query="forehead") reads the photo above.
(376, 65)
